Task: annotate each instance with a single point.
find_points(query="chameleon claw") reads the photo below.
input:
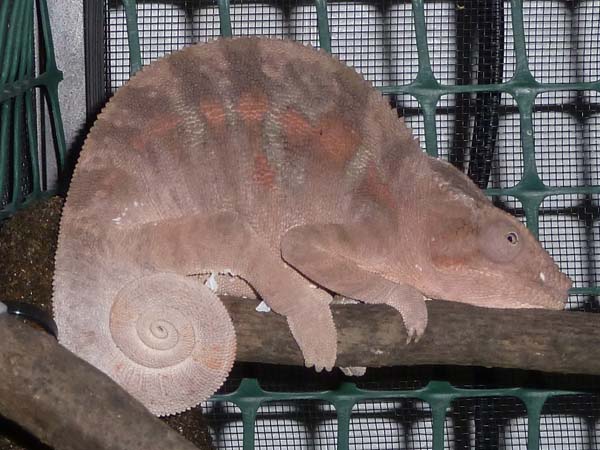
(413, 336)
(355, 371)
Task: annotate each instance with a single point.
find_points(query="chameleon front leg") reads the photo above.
(334, 256)
(224, 243)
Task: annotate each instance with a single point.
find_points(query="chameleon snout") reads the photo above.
(557, 284)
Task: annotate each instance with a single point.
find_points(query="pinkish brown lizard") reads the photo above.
(274, 162)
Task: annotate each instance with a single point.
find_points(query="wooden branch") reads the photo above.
(457, 334)
(66, 402)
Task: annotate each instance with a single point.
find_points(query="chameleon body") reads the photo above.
(277, 163)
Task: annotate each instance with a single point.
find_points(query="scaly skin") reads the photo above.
(279, 164)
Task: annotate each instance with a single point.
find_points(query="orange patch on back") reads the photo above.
(375, 187)
(331, 140)
(296, 127)
(252, 107)
(214, 113)
(338, 140)
(158, 128)
(263, 174)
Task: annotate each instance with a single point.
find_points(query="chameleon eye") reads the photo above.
(500, 242)
(512, 238)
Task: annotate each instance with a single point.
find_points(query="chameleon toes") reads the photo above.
(414, 329)
(317, 338)
(413, 336)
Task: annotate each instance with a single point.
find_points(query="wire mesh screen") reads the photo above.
(488, 422)
(508, 92)
(570, 421)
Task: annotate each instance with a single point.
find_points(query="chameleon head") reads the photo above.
(478, 254)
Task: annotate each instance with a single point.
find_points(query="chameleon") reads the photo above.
(275, 164)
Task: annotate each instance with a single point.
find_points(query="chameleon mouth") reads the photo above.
(553, 288)
(561, 281)
(545, 292)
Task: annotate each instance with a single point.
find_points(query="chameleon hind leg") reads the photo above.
(225, 243)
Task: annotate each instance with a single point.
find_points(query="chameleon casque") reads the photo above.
(278, 164)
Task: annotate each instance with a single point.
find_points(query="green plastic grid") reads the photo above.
(439, 395)
(18, 82)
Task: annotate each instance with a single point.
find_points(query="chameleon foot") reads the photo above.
(411, 306)
(314, 331)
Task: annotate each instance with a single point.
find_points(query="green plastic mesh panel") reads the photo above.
(32, 143)
(437, 416)
(509, 92)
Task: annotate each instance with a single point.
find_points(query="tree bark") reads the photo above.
(67, 403)
(457, 334)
